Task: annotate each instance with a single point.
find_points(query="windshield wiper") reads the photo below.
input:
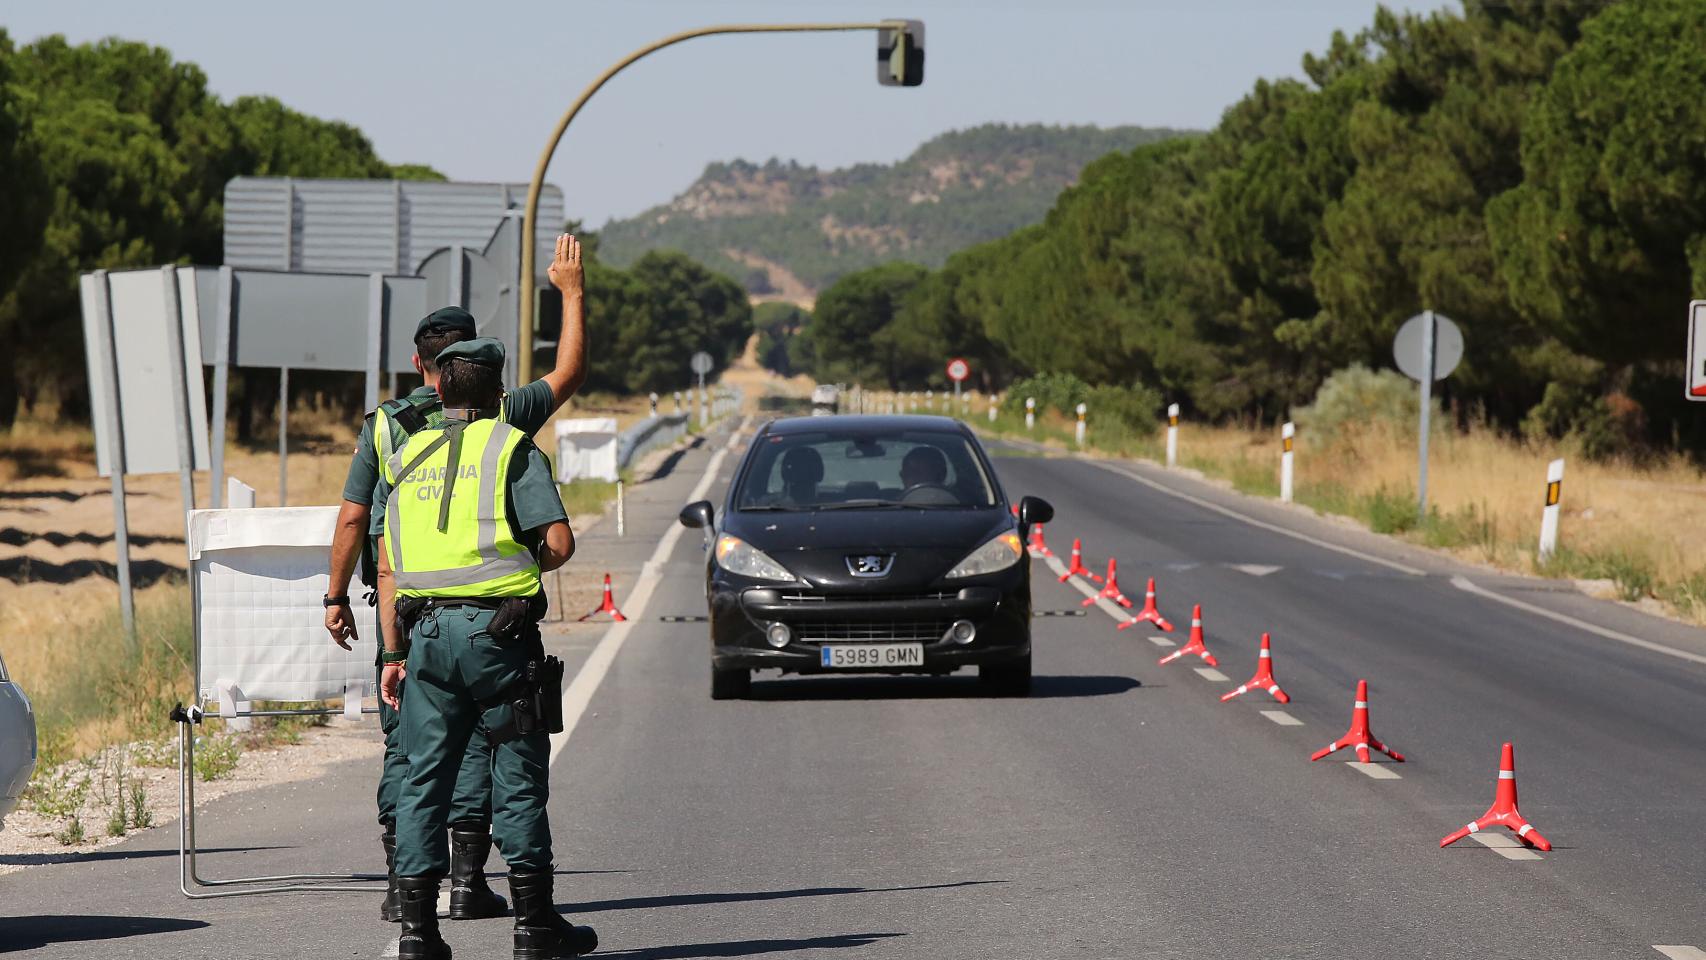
(859, 505)
(771, 507)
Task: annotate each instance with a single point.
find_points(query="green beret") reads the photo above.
(484, 351)
(445, 319)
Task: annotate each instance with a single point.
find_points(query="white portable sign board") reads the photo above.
(587, 449)
(260, 574)
(130, 308)
(1694, 384)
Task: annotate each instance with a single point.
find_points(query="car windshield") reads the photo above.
(866, 470)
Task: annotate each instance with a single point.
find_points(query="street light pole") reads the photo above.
(530, 218)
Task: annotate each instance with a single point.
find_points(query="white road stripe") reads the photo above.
(579, 693)
(1209, 673)
(1681, 952)
(1282, 718)
(1374, 771)
(1254, 569)
(1054, 564)
(1504, 845)
(1162, 642)
(1262, 524)
(1463, 583)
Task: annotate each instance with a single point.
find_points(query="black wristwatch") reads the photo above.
(330, 601)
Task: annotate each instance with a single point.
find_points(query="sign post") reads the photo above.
(1694, 383)
(1172, 434)
(701, 364)
(958, 370)
(1427, 348)
(1549, 513)
(1082, 409)
(1287, 431)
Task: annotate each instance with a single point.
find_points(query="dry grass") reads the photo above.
(1636, 525)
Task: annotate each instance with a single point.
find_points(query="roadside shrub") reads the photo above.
(1135, 407)
(1356, 396)
(1052, 391)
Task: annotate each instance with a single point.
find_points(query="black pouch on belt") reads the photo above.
(514, 616)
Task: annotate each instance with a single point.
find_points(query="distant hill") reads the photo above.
(788, 230)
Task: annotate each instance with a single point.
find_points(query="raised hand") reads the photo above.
(568, 273)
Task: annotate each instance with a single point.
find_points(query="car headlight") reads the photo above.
(739, 557)
(998, 554)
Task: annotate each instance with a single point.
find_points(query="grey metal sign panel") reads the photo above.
(370, 226)
(131, 309)
(1408, 346)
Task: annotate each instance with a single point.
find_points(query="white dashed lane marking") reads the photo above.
(1374, 771)
(1681, 952)
(1162, 642)
(1504, 845)
(1253, 569)
(1211, 674)
(1282, 718)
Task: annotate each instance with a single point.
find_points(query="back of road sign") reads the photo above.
(701, 363)
(1408, 345)
(1694, 383)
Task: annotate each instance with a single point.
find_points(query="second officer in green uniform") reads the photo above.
(470, 517)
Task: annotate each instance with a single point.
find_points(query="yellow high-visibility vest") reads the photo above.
(458, 545)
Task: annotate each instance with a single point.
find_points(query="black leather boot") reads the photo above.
(540, 933)
(471, 898)
(391, 910)
(420, 939)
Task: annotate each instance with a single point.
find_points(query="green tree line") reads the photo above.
(1529, 168)
(115, 155)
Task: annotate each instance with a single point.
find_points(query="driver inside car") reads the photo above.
(924, 476)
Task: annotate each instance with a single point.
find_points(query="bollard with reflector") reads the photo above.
(1030, 413)
(930, 399)
(1082, 409)
(1172, 434)
(1287, 432)
(993, 406)
(1549, 513)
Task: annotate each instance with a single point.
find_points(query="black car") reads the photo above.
(869, 545)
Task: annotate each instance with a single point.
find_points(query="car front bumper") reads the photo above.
(739, 616)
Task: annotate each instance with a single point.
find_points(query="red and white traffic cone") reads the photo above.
(1110, 588)
(1196, 645)
(1077, 566)
(1503, 812)
(1149, 613)
(1359, 736)
(1264, 678)
(1037, 544)
(607, 605)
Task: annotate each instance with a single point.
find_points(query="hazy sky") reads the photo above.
(474, 88)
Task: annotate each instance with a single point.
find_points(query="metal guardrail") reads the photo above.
(647, 435)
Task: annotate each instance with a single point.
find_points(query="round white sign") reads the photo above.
(1408, 345)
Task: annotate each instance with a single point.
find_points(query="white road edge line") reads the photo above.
(1212, 675)
(1282, 718)
(1463, 583)
(1252, 521)
(579, 693)
(1507, 847)
(1374, 771)
(1680, 952)
(1162, 642)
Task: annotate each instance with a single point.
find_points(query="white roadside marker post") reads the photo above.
(1286, 433)
(930, 400)
(1549, 514)
(994, 404)
(1172, 434)
(1082, 409)
(621, 511)
(1030, 413)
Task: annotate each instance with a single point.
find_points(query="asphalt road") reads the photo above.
(1123, 811)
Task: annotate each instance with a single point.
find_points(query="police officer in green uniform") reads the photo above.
(384, 431)
(470, 519)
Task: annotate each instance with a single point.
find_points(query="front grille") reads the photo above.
(895, 631)
(869, 597)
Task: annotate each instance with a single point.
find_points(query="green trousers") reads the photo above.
(470, 801)
(454, 666)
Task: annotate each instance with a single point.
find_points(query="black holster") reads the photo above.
(535, 702)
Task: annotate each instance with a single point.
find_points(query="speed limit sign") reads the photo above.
(958, 369)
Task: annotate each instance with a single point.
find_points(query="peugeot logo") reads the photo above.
(870, 565)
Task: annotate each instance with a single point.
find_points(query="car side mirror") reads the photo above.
(1034, 510)
(697, 514)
